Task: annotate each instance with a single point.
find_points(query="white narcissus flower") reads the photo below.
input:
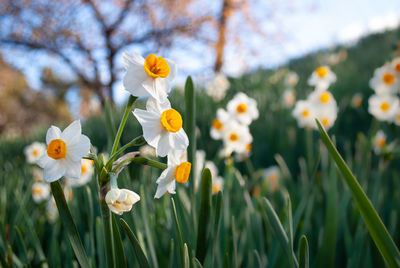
(271, 177)
(245, 154)
(162, 127)
(396, 65)
(322, 99)
(218, 124)
(305, 113)
(87, 170)
(64, 152)
(236, 137)
(383, 107)
(385, 80)
(243, 108)
(322, 78)
(327, 116)
(217, 87)
(291, 79)
(177, 170)
(217, 184)
(121, 200)
(289, 97)
(379, 141)
(34, 151)
(152, 75)
(40, 191)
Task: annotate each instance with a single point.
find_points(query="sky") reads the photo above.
(308, 26)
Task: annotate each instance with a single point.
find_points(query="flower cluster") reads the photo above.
(320, 103)
(384, 105)
(161, 124)
(232, 125)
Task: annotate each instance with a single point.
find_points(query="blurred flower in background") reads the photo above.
(34, 151)
(40, 191)
(217, 87)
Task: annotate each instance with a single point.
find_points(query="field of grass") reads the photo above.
(318, 216)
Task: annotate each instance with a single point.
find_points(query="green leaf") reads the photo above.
(204, 215)
(119, 254)
(217, 220)
(108, 233)
(21, 245)
(277, 228)
(190, 128)
(290, 223)
(141, 257)
(374, 224)
(69, 224)
(181, 251)
(196, 263)
(186, 263)
(303, 253)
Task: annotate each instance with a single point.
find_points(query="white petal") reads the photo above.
(45, 161)
(163, 147)
(53, 172)
(72, 132)
(173, 70)
(171, 187)
(158, 93)
(151, 126)
(162, 84)
(52, 134)
(79, 148)
(179, 140)
(161, 190)
(154, 106)
(73, 168)
(133, 80)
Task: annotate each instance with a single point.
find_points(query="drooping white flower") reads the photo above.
(305, 113)
(121, 200)
(148, 76)
(291, 79)
(322, 78)
(217, 87)
(64, 152)
(385, 80)
(162, 127)
(87, 170)
(271, 177)
(243, 108)
(217, 126)
(289, 97)
(34, 151)
(383, 107)
(177, 170)
(40, 191)
(236, 137)
(379, 141)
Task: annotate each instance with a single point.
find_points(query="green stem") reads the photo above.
(128, 108)
(108, 236)
(135, 142)
(143, 161)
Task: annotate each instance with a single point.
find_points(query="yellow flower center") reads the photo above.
(182, 172)
(241, 108)
(398, 117)
(57, 149)
(171, 120)
(217, 124)
(233, 137)
(397, 67)
(156, 66)
(325, 122)
(35, 152)
(321, 71)
(273, 178)
(385, 106)
(381, 142)
(305, 113)
(36, 191)
(84, 169)
(248, 147)
(388, 78)
(216, 188)
(325, 97)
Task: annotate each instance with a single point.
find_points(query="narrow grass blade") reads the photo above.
(274, 222)
(196, 263)
(374, 224)
(69, 224)
(204, 215)
(141, 257)
(217, 220)
(304, 261)
(190, 126)
(178, 231)
(21, 245)
(119, 254)
(186, 263)
(290, 223)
